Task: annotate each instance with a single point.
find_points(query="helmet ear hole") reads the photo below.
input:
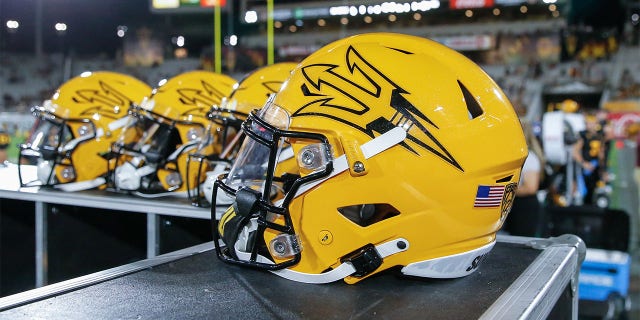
(368, 214)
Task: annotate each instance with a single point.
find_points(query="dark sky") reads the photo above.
(91, 24)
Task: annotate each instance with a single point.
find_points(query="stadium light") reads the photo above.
(12, 24)
(121, 31)
(251, 17)
(61, 27)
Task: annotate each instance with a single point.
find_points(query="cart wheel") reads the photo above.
(617, 307)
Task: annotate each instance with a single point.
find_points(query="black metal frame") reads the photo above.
(58, 157)
(216, 116)
(117, 149)
(264, 205)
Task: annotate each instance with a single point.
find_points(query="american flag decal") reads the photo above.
(489, 196)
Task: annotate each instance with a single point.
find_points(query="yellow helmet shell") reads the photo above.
(101, 97)
(252, 91)
(88, 106)
(462, 136)
(188, 96)
(247, 95)
(180, 104)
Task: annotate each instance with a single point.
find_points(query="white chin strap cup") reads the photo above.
(128, 177)
(207, 186)
(43, 170)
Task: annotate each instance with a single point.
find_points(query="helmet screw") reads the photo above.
(279, 247)
(358, 166)
(401, 244)
(325, 237)
(307, 157)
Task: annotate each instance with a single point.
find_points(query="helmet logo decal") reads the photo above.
(507, 200)
(272, 86)
(201, 98)
(339, 95)
(104, 100)
(207, 95)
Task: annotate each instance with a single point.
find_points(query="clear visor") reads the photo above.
(225, 126)
(144, 134)
(206, 138)
(252, 162)
(224, 112)
(49, 134)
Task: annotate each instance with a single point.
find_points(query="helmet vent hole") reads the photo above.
(505, 179)
(368, 214)
(473, 107)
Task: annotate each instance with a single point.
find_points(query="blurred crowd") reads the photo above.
(534, 88)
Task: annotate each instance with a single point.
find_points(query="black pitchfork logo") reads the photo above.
(339, 95)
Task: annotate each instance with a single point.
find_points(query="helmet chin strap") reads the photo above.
(81, 185)
(44, 169)
(342, 271)
(148, 169)
(346, 268)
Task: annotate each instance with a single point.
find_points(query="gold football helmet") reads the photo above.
(172, 123)
(408, 154)
(249, 94)
(75, 128)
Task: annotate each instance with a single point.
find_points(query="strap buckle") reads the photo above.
(365, 260)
